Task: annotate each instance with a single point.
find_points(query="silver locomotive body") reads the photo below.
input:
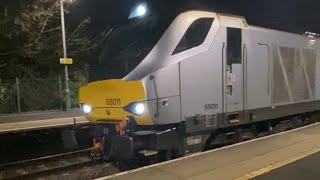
(210, 72)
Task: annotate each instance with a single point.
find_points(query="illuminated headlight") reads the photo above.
(137, 108)
(86, 109)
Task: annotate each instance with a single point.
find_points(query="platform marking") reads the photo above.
(206, 152)
(277, 165)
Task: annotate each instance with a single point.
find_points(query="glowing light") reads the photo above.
(141, 10)
(139, 108)
(138, 11)
(68, 1)
(86, 109)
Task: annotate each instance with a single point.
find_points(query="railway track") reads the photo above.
(67, 162)
(33, 168)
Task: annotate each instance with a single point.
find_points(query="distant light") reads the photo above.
(68, 1)
(138, 11)
(312, 42)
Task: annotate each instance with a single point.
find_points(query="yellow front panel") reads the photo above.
(109, 113)
(109, 97)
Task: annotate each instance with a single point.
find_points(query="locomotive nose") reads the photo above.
(114, 100)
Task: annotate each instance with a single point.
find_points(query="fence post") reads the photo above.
(18, 95)
(60, 93)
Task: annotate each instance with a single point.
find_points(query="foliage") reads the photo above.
(31, 42)
(30, 48)
(8, 100)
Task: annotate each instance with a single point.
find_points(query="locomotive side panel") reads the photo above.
(287, 63)
(317, 80)
(201, 86)
(294, 72)
(258, 68)
(163, 93)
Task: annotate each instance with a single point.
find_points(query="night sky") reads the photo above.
(288, 15)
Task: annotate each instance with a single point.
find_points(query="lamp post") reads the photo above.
(68, 103)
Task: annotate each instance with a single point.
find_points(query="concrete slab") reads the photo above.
(41, 124)
(43, 115)
(234, 162)
(306, 168)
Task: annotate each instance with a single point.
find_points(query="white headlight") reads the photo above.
(87, 109)
(139, 108)
(141, 10)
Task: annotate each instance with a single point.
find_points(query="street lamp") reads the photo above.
(68, 103)
(138, 11)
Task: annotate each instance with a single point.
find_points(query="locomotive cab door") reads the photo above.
(234, 76)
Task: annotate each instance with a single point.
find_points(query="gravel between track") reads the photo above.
(85, 173)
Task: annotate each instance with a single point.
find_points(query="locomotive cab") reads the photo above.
(134, 92)
(137, 54)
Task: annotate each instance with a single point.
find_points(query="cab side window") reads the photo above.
(195, 35)
(234, 43)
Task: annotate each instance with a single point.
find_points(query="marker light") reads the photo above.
(86, 109)
(138, 11)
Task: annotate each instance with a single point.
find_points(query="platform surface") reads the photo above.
(21, 126)
(31, 116)
(263, 158)
(304, 169)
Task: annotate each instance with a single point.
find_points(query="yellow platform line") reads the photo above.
(277, 165)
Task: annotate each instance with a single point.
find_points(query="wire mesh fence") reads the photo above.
(8, 97)
(29, 95)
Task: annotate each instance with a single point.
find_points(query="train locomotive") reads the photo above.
(194, 79)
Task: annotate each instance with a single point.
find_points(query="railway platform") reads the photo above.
(41, 115)
(293, 154)
(305, 168)
(41, 120)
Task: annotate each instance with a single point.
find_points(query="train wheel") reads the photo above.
(248, 135)
(178, 153)
(296, 122)
(164, 155)
(282, 126)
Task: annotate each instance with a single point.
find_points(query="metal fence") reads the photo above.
(29, 95)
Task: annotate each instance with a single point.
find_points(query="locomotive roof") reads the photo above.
(230, 20)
